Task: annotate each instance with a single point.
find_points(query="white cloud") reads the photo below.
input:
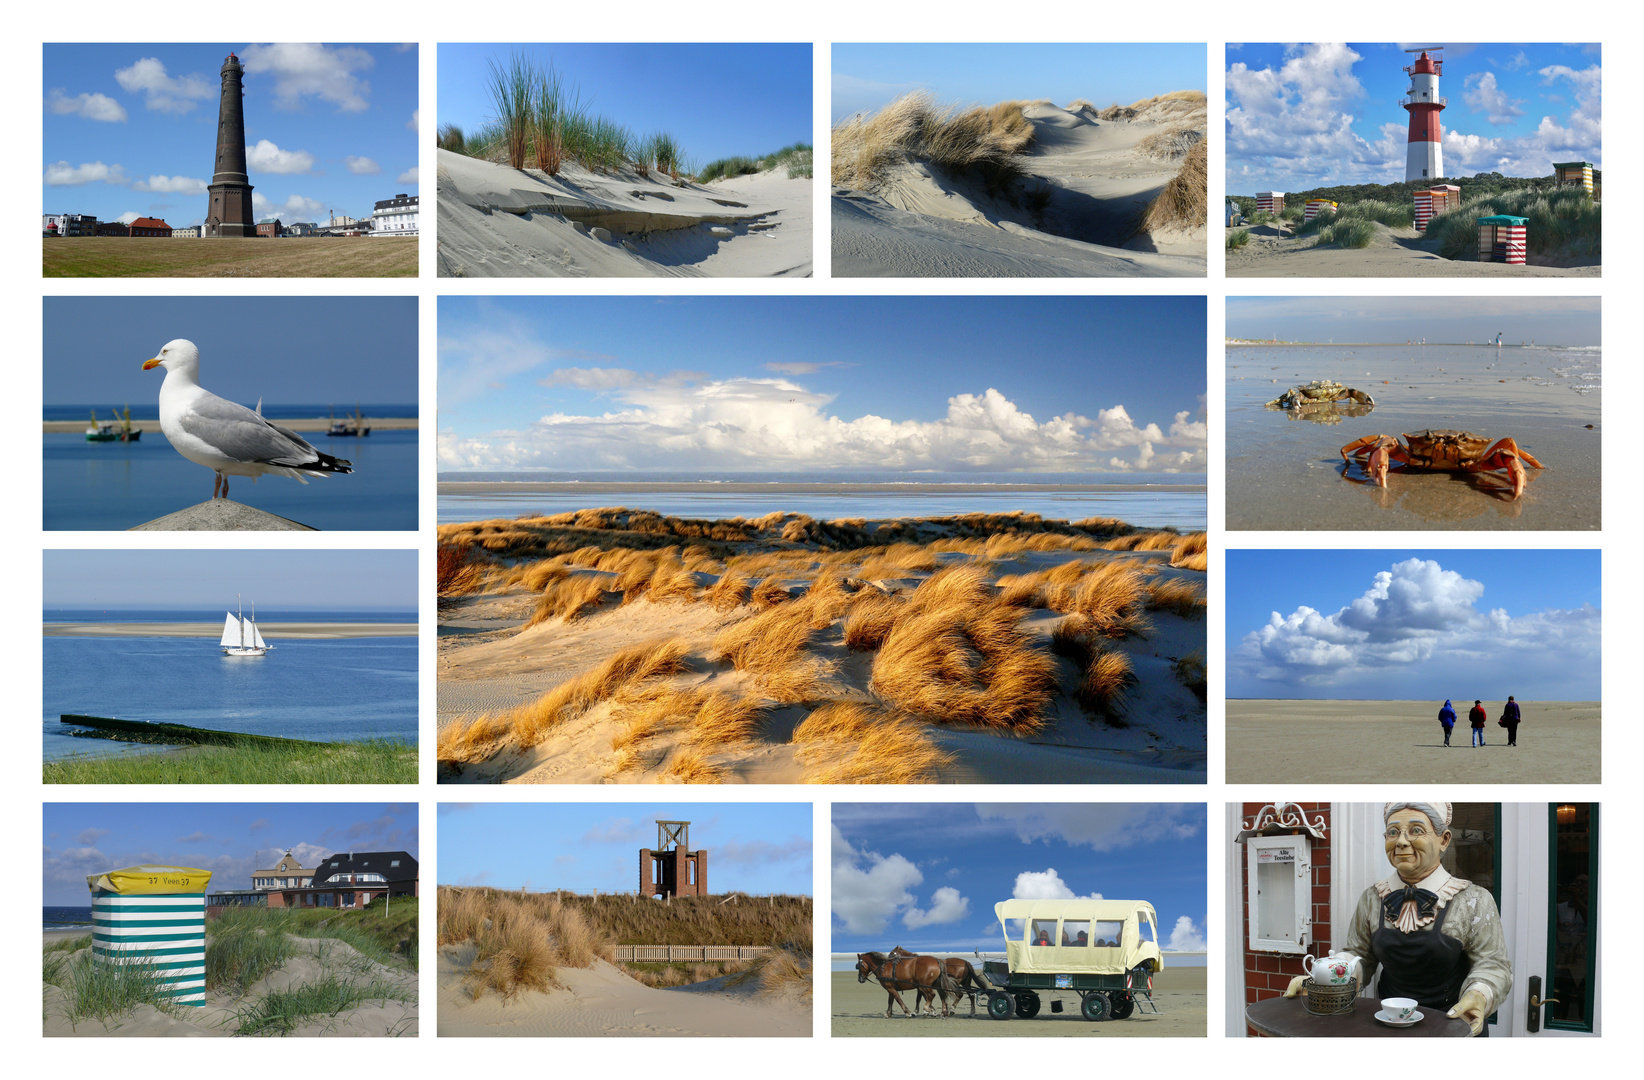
(409, 176)
(128, 217)
(1486, 97)
(946, 906)
(592, 378)
(303, 70)
(164, 93)
(295, 208)
(1411, 615)
(1186, 937)
(416, 118)
(1046, 885)
(91, 106)
(268, 158)
(362, 166)
(62, 174)
(869, 888)
(1098, 826)
(183, 185)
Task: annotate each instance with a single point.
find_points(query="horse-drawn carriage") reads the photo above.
(1106, 951)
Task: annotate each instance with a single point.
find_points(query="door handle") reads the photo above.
(1532, 1022)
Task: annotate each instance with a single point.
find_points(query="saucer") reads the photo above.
(1415, 1018)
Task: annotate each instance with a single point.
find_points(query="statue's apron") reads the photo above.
(1427, 965)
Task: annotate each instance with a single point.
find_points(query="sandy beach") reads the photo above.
(602, 1001)
(859, 1008)
(308, 631)
(1274, 252)
(496, 221)
(317, 960)
(1086, 175)
(1284, 466)
(1371, 742)
(491, 661)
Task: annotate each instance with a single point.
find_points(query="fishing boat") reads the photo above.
(240, 636)
(349, 426)
(120, 430)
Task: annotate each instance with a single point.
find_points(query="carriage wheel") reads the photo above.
(1123, 1005)
(1027, 1005)
(1000, 1006)
(1096, 1006)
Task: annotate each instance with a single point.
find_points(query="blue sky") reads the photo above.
(888, 384)
(926, 875)
(758, 848)
(1302, 116)
(1440, 624)
(1546, 320)
(191, 580)
(716, 100)
(131, 130)
(866, 77)
(312, 350)
(229, 839)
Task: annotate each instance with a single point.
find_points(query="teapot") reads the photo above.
(1337, 969)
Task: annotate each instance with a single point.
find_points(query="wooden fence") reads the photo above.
(662, 954)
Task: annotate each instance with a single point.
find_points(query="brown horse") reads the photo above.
(922, 973)
(958, 968)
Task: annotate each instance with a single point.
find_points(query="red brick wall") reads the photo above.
(1266, 974)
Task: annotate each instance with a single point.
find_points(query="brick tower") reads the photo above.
(229, 212)
(672, 868)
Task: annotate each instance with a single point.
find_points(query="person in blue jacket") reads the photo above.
(1510, 720)
(1447, 719)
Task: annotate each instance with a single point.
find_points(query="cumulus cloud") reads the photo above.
(268, 158)
(1047, 885)
(1415, 617)
(183, 185)
(91, 106)
(409, 176)
(128, 217)
(163, 93)
(1486, 97)
(62, 174)
(362, 166)
(869, 888)
(946, 906)
(307, 70)
(416, 118)
(295, 208)
(1098, 826)
(1185, 936)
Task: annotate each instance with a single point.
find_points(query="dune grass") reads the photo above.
(1190, 671)
(1238, 238)
(795, 158)
(280, 1012)
(855, 742)
(986, 140)
(1105, 673)
(98, 991)
(1348, 233)
(1184, 202)
(1170, 144)
(1563, 223)
(370, 761)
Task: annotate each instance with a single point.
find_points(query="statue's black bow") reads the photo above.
(1426, 903)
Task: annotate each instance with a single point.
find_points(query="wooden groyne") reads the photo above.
(142, 731)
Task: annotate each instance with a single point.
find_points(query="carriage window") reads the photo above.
(1144, 924)
(1044, 932)
(1076, 932)
(1107, 933)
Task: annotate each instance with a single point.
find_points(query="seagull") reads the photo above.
(228, 439)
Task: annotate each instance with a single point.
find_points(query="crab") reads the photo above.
(1319, 392)
(1441, 451)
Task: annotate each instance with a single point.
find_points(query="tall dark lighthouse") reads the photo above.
(230, 211)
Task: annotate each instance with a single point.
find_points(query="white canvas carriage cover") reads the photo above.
(1070, 918)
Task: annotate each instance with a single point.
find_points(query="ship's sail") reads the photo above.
(231, 631)
(256, 637)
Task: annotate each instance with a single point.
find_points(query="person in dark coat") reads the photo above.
(1476, 716)
(1510, 720)
(1447, 719)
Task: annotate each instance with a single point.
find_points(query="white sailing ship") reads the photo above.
(240, 636)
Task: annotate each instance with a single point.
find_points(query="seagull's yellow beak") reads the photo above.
(151, 363)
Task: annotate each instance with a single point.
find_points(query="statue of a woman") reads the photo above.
(1436, 938)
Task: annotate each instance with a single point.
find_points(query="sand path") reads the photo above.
(604, 1001)
(1272, 252)
(1373, 742)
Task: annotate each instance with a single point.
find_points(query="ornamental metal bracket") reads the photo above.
(1281, 819)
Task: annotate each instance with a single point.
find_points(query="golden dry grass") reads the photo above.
(870, 620)
(730, 592)
(518, 940)
(1191, 552)
(853, 742)
(914, 127)
(570, 598)
(1184, 202)
(688, 765)
(1180, 595)
(765, 643)
(768, 594)
(459, 569)
(1105, 673)
(898, 560)
(1190, 670)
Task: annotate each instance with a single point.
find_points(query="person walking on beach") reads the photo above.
(1447, 719)
(1510, 720)
(1476, 716)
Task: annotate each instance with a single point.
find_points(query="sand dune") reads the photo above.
(496, 221)
(1275, 252)
(318, 959)
(1367, 742)
(601, 1000)
(1073, 215)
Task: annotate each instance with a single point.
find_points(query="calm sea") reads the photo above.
(347, 689)
(1153, 500)
(116, 485)
(66, 918)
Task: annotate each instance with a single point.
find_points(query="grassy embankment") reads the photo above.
(522, 939)
(243, 947)
(304, 256)
(373, 761)
(795, 158)
(950, 651)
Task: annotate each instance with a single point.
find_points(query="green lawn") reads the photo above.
(309, 256)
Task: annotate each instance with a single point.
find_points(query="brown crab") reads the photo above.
(1443, 451)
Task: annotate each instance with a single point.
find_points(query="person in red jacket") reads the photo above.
(1476, 717)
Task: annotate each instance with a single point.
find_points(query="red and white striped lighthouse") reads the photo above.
(1425, 157)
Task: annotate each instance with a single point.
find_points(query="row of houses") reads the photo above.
(398, 216)
(346, 880)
